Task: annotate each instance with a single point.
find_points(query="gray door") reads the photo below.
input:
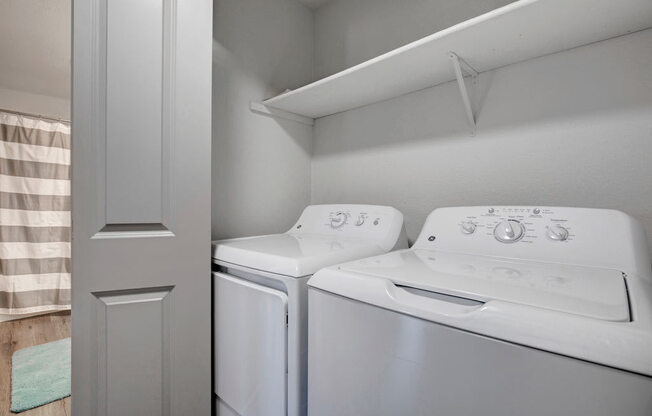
(141, 207)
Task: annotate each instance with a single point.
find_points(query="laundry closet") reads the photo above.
(561, 109)
(508, 110)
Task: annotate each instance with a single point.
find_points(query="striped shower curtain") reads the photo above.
(34, 216)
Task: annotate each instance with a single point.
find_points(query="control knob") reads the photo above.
(468, 227)
(557, 233)
(338, 220)
(509, 231)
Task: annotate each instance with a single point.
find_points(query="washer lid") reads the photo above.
(586, 291)
(292, 255)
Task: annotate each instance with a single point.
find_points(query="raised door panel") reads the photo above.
(134, 74)
(134, 97)
(134, 333)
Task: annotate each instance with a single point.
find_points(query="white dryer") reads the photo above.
(260, 302)
(493, 311)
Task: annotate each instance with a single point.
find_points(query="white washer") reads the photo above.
(260, 302)
(493, 311)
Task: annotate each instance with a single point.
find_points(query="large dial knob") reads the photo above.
(338, 220)
(557, 233)
(467, 227)
(509, 231)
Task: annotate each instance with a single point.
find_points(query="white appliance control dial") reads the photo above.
(509, 231)
(338, 220)
(557, 233)
(468, 227)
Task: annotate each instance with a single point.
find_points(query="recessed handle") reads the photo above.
(433, 302)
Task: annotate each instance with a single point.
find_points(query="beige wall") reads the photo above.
(569, 129)
(35, 56)
(261, 165)
(36, 104)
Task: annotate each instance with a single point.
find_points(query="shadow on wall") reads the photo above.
(552, 89)
(261, 165)
(350, 32)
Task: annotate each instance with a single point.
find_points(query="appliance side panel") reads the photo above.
(385, 363)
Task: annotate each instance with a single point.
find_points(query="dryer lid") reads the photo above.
(586, 291)
(294, 255)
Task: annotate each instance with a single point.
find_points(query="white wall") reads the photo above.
(261, 165)
(35, 56)
(348, 32)
(569, 129)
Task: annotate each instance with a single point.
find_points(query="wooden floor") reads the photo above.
(15, 335)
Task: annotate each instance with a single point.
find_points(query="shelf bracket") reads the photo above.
(460, 66)
(261, 108)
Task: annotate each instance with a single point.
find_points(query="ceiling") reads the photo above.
(35, 46)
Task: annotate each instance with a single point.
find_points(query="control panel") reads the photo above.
(592, 237)
(510, 225)
(340, 218)
(367, 222)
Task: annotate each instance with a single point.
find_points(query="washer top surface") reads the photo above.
(593, 292)
(324, 235)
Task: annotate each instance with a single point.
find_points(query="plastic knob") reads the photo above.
(468, 227)
(557, 233)
(509, 231)
(338, 220)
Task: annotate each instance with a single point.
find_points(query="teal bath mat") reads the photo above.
(40, 375)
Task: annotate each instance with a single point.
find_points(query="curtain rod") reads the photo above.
(20, 113)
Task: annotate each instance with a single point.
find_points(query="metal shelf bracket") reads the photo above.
(261, 108)
(460, 67)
